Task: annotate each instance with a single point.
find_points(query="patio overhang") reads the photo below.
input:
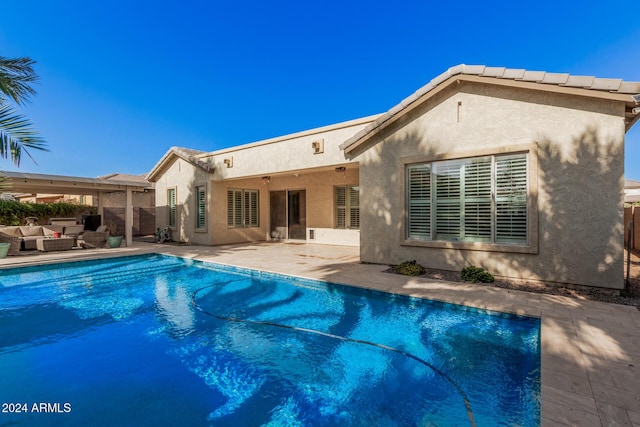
(20, 182)
(40, 183)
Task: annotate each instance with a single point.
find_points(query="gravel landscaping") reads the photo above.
(579, 292)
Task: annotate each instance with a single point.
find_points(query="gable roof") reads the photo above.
(187, 154)
(628, 92)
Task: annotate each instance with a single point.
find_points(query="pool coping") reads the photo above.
(590, 351)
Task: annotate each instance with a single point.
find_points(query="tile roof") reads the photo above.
(614, 86)
(187, 154)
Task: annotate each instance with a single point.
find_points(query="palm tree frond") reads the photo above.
(16, 76)
(17, 135)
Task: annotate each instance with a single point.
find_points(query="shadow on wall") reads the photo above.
(185, 198)
(580, 230)
(381, 197)
(581, 207)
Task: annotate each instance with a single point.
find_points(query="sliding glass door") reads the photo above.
(288, 213)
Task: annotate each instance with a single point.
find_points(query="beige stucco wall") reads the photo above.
(319, 186)
(288, 153)
(139, 199)
(579, 176)
(290, 164)
(184, 177)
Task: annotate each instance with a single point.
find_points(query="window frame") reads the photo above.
(201, 203)
(350, 210)
(172, 210)
(243, 208)
(531, 201)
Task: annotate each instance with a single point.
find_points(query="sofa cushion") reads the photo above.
(48, 230)
(12, 231)
(29, 231)
(73, 230)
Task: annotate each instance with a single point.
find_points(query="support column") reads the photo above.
(101, 206)
(128, 218)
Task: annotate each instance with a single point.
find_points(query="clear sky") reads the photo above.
(122, 81)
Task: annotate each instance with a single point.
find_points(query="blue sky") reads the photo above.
(122, 81)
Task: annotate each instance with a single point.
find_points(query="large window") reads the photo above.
(201, 207)
(347, 207)
(242, 208)
(480, 199)
(171, 203)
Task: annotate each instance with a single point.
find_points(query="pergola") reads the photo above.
(41, 183)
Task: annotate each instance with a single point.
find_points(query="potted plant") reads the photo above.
(4, 249)
(114, 240)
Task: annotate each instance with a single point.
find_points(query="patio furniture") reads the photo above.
(48, 244)
(15, 243)
(73, 231)
(24, 238)
(62, 221)
(95, 239)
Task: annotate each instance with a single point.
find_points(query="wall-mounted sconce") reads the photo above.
(341, 169)
(266, 179)
(228, 162)
(318, 146)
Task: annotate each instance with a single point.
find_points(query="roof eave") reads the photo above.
(168, 157)
(456, 75)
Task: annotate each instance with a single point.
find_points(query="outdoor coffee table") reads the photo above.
(48, 244)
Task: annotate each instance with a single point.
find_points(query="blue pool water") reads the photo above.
(157, 340)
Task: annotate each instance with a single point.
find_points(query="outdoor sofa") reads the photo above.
(23, 238)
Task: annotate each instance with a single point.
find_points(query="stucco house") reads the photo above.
(631, 191)
(520, 172)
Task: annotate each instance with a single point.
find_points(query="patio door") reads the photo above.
(288, 213)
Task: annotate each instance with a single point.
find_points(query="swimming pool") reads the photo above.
(159, 340)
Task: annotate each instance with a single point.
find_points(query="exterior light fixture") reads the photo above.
(318, 146)
(266, 179)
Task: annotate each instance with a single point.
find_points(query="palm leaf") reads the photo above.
(16, 76)
(17, 135)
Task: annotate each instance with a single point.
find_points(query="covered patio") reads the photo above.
(41, 183)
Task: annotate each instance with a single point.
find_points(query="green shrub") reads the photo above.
(410, 268)
(14, 213)
(476, 275)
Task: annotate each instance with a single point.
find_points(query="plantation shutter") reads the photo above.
(354, 207)
(511, 199)
(477, 200)
(171, 200)
(447, 200)
(341, 207)
(200, 207)
(234, 208)
(251, 208)
(419, 200)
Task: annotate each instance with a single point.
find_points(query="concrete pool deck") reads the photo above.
(590, 350)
